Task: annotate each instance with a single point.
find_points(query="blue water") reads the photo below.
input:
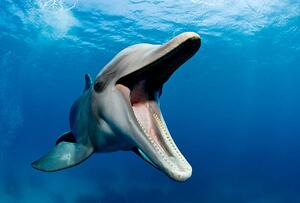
(233, 109)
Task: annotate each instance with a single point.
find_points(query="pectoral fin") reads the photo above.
(141, 154)
(62, 156)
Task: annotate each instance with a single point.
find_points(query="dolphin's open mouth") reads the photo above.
(142, 89)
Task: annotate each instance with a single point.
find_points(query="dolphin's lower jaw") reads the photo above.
(141, 90)
(148, 118)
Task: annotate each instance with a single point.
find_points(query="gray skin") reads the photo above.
(103, 118)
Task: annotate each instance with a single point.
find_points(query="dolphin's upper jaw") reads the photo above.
(141, 90)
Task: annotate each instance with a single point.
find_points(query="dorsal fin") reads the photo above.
(88, 82)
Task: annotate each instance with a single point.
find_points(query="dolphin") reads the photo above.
(120, 110)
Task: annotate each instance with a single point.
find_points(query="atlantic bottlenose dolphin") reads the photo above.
(120, 110)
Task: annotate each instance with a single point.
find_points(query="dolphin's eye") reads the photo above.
(98, 86)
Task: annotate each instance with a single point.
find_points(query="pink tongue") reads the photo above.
(141, 107)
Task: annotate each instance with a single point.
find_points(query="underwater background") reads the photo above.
(233, 109)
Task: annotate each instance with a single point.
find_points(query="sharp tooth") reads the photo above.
(157, 148)
(166, 134)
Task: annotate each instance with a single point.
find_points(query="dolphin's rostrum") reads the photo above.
(120, 110)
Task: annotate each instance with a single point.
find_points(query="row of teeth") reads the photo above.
(167, 135)
(157, 148)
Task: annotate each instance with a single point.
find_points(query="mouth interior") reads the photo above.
(144, 102)
(142, 90)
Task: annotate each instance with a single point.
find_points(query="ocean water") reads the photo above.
(233, 109)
